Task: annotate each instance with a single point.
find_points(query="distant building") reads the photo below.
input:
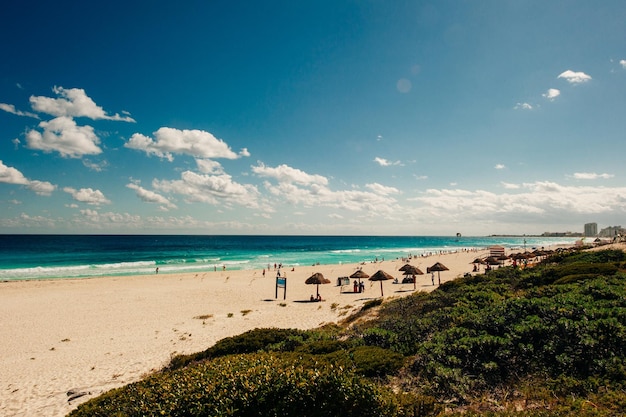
(612, 231)
(591, 229)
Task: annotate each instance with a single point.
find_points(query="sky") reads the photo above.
(331, 117)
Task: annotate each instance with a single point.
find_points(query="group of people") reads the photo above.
(318, 298)
(359, 286)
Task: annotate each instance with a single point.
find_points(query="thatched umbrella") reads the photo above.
(317, 278)
(359, 274)
(492, 260)
(411, 270)
(381, 276)
(502, 258)
(438, 267)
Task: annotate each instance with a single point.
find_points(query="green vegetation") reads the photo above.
(545, 341)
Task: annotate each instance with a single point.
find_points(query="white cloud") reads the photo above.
(384, 162)
(95, 166)
(523, 106)
(41, 187)
(169, 141)
(551, 94)
(371, 203)
(382, 189)
(541, 202)
(296, 187)
(622, 62)
(88, 196)
(10, 108)
(11, 175)
(208, 166)
(574, 77)
(64, 136)
(510, 186)
(73, 102)
(212, 189)
(591, 176)
(150, 196)
(500, 166)
(285, 173)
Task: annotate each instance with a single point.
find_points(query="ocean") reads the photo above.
(31, 257)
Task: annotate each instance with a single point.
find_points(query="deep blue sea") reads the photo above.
(24, 257)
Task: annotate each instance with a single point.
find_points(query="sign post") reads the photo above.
(281, 282)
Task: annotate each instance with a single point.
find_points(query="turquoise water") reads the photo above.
(25, 257)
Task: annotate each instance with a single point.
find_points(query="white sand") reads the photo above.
(91, 335)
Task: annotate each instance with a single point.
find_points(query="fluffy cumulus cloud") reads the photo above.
(573, 77)
(382, 189)
(168, 141)
(551, 94)
(151, 197)
(63, 135)
(73, 102)
(212, 189)
(208, 166)
(284, 173)
(296, 187)
(622, 62)
(538, 202)
(12, 175)
(41, 187)
(88, 196)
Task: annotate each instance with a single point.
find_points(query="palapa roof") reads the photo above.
(317, 278)
(380, 276)
(405, 267)
(359, 274)
(439, 267)
(412, 270)
(492, 260)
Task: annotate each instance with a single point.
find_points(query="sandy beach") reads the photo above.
(92, 335)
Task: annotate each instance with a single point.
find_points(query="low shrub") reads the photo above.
(569, 279)
(248, 342)
(247, 385)
(372, 361)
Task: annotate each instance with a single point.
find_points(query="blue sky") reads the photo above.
(312, 117)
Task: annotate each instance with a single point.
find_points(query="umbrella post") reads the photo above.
(381, 289)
